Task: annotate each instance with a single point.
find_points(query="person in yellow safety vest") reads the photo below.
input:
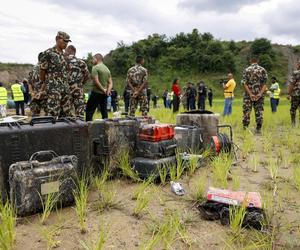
(274, 94)
(86, 97)
(18, 97)
(3, 100)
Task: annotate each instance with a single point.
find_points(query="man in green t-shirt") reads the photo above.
(101, 90)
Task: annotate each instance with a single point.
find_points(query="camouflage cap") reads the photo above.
(64, 36)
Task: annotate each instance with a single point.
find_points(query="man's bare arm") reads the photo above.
(109, 86)
(98, 84)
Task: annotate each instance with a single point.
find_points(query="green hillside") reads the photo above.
(195, 56)
(189, 57)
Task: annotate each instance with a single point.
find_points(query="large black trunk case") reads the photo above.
(147, 167)
(32, 181)
(156, 150)
(110, 136)
(19, 141)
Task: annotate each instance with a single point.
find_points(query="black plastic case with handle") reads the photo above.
(32, 181)
(18, 141)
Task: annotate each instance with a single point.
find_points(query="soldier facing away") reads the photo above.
(38, 97)
(78, 74)
(294, 93)
(53, 74)
(254, 79)
(137, 77)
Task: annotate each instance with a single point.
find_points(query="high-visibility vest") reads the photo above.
(86, 97)
(3, 96)
(276, 93)
(17, 92)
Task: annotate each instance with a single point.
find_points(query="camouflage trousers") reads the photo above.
(36, 106)
(258, 109)
(2, 110)
(59, 100)
(140, 99)
(295, 104)
(77, 100)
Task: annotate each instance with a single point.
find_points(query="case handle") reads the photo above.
(42, 119)
(43, 153)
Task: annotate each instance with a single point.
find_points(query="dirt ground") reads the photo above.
(124, 231)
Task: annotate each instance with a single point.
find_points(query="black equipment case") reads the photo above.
(20, 140)
(189, 138)
(146, 167)
(31, 181)
(110, 136)
(155, 150)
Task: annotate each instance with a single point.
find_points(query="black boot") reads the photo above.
(293, 119)
(258, 129)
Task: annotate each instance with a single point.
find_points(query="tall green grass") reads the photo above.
(81, 202)
(99, 243)
(168, 230)
(7, 226)
(49, 234)
(143, 195)
(125, 166)
(198, 193)
(220, 166)
(48, 204)
(296, 177)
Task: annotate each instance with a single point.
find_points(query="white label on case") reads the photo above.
(50, 187)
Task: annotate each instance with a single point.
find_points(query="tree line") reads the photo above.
(186, 52)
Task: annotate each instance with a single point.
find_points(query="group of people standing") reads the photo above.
(188, 97)
(20, 96)
(254, 81)
(56, 83)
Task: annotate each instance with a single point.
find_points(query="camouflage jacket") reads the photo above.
(295, 81)
(34, 78)
(55, 65)
(137, 75)
(255, 77)
(77, 71)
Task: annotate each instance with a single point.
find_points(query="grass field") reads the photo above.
(125, 214)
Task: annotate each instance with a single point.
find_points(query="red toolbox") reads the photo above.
(156, 132)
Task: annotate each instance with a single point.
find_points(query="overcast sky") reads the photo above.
(29, 26)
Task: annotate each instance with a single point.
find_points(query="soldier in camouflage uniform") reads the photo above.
(294, 92)
(78, 74)
(254, 79)
(53, 74)
(137, 77)
(38, 97)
